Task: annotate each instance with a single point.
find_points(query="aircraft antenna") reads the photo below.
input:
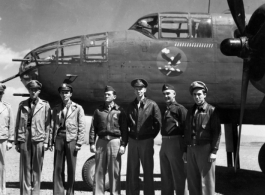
(209, 5)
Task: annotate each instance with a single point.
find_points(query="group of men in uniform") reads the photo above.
(36, 130)
(190, 140)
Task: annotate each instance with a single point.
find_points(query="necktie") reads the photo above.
(167, 110)
(140, 104)
(33, 105)
(64, 114)
(197, 111)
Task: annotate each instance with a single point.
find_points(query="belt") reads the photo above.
(195, 142)
(171, 136)
(108, 137)
(61, 131)
(142, 137)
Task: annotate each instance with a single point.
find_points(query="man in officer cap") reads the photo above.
(6, 136)
(68, 129)
(144, 122)
(173, 170)
(32, 138)
(202, 135)
(109, 124)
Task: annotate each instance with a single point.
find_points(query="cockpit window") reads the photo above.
(96, 47)
(201, 28)
(147, 26)
(174, 27)
(69, 50)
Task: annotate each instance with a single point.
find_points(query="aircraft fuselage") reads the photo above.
(173, 52)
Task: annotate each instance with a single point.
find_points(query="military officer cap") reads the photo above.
(33, 84)
(198, 84)
(139, 83)
(109, 88)
(2, 87)
(65, 87)
(168, 87)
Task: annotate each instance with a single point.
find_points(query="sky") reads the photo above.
(28, 24)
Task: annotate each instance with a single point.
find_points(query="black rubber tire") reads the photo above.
(88, 172)
(262, 158)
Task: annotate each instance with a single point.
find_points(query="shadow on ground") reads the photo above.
(244, 182)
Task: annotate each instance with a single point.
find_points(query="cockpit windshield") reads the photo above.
(175, 25)
(147, 26)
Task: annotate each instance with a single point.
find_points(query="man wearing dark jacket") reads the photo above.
(173, 169)
(109, 124)
(202, 135)
(144, 122)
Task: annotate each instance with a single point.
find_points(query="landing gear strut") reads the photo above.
(231, 139)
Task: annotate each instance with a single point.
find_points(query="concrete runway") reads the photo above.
(247, 181)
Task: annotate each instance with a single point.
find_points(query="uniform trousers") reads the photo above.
(2, 167)
(200, 172)
(108, 160)
(140, 151)
(173, 169)
(31, 161)
(64, 149)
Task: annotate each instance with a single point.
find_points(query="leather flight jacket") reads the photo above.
(206, 126)
(173, 122)
(145, 122)
(109, 125)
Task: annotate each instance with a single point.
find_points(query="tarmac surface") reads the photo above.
(249, 180)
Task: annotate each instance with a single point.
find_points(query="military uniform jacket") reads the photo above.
(173, 122)
(6, 122)
(207, 126)
(74, 123)
(40, 123)
(111, 123)
(144, 122)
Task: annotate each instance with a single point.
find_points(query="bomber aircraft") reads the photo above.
(169, 47)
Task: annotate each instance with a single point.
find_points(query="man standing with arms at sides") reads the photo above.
(109, 124)
(202, 135)
(6, 136)
(144, 122)
(173, 169)
(32, 138)
(68, 129)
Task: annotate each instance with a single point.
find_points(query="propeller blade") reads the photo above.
(238, 12)
(10, 78)
(258, 41)
(244, 88)
(256, 21)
